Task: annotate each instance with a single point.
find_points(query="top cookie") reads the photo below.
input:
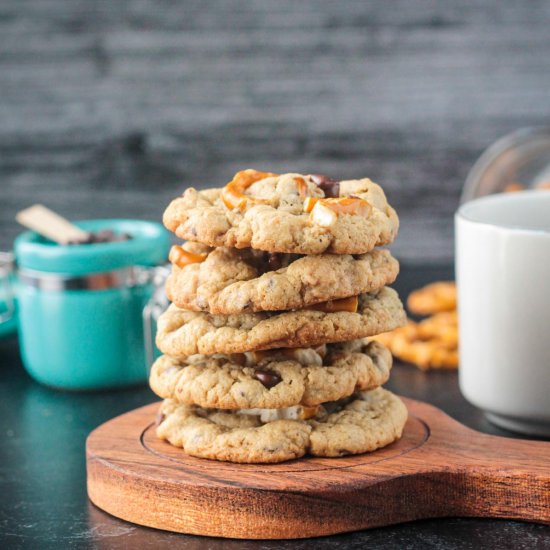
(289, 213)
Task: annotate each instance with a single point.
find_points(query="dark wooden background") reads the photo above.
(110, 108)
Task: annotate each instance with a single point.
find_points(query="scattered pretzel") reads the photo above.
(433, 342)
(543, 185)
(433, 298)
(408, 344)
(514, 187)
(441, 327)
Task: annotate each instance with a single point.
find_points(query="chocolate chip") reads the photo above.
(103, 236)
(88, 239)
(109, 236)
(273, 261)
(267, 378)
(330, 187)
(238, 358)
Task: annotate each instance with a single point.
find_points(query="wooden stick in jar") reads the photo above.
(50, 225)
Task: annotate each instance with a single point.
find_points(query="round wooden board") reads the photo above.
(137, 477)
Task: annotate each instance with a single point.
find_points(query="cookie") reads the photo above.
(433, 298)
(289, 213)
(273, 379)
(231, 281)
(181, 333)
(368, 421)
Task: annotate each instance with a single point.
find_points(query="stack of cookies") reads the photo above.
(274, 295)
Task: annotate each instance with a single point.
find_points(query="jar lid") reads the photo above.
(148, 246)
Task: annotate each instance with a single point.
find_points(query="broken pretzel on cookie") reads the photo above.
(433, 342)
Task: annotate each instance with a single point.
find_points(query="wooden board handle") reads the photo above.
(509, 478)
(468, 473)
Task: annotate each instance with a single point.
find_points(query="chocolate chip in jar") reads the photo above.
(103, 236)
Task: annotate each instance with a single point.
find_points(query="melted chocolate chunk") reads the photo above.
(330, 187)
(274, 261)
(267, 378)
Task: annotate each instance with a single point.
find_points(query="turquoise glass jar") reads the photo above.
(80, 306)
(8, 306)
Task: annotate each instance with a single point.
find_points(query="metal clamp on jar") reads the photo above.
(8, 320)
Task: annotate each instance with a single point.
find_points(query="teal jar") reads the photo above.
(8, 306)
(80, 306)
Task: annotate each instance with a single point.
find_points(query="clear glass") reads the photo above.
(155, 307)
(516, 162)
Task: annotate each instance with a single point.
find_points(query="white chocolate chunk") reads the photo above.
(289, 413)
(323, 216)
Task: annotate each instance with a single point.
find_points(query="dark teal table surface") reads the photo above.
(43, 501)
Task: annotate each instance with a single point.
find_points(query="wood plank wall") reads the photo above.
(110, 108)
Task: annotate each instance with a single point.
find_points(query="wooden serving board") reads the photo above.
(439, 468)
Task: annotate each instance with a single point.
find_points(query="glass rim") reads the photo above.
(497, 149)
(525, 196)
